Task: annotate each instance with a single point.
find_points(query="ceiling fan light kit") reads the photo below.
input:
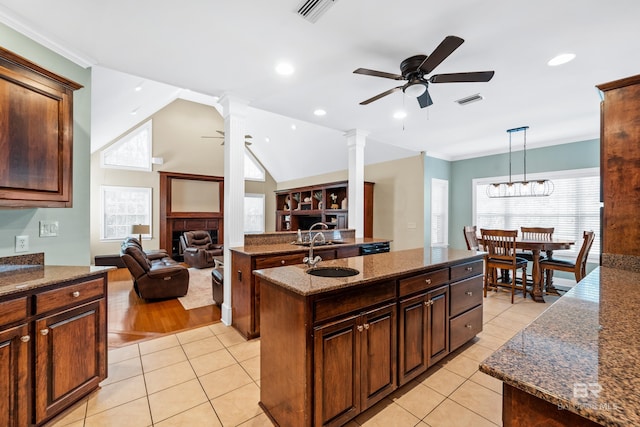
(524, 188)
(416, 68)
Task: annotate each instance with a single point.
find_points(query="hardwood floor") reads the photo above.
(132, 319)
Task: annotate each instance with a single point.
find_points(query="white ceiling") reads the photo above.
(202, 49)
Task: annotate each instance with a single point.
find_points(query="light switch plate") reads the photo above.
(48, 228)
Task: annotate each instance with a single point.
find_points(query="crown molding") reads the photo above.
(12, 21)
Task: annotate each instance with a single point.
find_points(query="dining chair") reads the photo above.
(471, 237)
(500, 246)
(535, 233)
(578, 268)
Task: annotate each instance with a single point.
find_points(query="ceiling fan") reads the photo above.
(222, 137)
(415, 69)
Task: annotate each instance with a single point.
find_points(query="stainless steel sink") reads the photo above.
(333, 271)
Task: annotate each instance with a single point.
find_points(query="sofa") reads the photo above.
(155, 274)
(198, 248)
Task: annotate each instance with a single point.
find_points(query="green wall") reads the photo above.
(71, 246)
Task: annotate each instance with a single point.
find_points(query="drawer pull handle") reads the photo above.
(366, 326)
(469, 268)
(468, 326)
(44, 331)
(282, 262)
(469, 293)
(25, 338)
(75, 294)
(428, 281)
(360, 328)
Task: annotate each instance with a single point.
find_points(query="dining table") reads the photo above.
(537, 246)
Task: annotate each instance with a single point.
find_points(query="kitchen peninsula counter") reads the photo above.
(578, 361)
(290, 248)
(332, 347)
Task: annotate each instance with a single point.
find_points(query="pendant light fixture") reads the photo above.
(524, 188)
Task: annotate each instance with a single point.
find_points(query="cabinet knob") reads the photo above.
(25, 338)
(469, 293)
(468, 326)
(282, 262)
(360, 328)
(75, 294)
(469, 268)
(44, 331)
(366, 326)
(428, 281)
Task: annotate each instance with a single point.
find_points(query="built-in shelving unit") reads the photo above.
(299, 208)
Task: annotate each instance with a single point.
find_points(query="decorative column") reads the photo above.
(235, 117)
(355, 144)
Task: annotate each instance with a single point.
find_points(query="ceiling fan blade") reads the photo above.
(380, 95)
(220, 132)
(440, 53)
(375, 73)
(425, 99)
(476, 76)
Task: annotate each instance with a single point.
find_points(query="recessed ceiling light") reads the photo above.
(320, 112)
(284, 69)
(266, 139)
(138, 88)
(399, 115)
(563, 58)
(134, 112)
(293, 127)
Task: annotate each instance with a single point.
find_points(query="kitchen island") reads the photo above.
(331, 347)
(577, 363)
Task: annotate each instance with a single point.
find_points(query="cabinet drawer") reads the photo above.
(349, 301)
(423, 281)
(465, 270)
(278, 261)
(13, 310)
(67, 295)
(465, 327)
(465, 295)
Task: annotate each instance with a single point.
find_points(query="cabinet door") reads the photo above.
(438, 323)
(70, 357)
(14, 385)
(336, 376)
(412, 338)
(378, 352)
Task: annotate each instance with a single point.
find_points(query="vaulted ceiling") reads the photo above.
(201, 50)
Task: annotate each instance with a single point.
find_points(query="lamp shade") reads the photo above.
(140, 229)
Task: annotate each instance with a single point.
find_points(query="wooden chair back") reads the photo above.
(500, 245)
(471, 237)
(581, 260)
(537, 233)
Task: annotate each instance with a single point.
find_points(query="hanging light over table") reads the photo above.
(524, 188)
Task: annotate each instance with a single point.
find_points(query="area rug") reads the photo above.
(200, 292)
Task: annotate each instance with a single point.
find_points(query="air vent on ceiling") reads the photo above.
(312, 10)
(470, 99)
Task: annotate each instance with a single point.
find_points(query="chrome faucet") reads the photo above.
(310, 260)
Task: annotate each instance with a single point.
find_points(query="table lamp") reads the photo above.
(140, 229)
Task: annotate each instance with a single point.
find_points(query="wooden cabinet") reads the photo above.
(53, 348)
(355, 364)
(620, 172)
(36, 135)
(299, 208)
(465, 303)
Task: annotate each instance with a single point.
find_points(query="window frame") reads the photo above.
(146, 126)
(445, 214)
(254, 196)
(249, 156)
(148, 193)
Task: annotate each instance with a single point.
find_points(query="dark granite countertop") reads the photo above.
(371, 267)
(284, 248)
(18, 278)
(582, 353)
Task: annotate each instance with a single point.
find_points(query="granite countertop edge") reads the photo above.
(284, 248)
(27, 277)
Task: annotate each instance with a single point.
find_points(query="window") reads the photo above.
(253, 170)
(132, 151)
(439, 212)
(254, 213)
(121, 208)
(573, 207)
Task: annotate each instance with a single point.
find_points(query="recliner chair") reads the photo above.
(198, 248)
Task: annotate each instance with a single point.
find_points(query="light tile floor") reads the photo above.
(210, 376)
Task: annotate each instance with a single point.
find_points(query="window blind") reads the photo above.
(572, 208)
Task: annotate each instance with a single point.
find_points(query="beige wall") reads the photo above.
(177, 138)
(398, 199)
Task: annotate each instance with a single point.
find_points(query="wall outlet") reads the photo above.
(22, 243)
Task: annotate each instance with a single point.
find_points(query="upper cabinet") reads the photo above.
(36, 134)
